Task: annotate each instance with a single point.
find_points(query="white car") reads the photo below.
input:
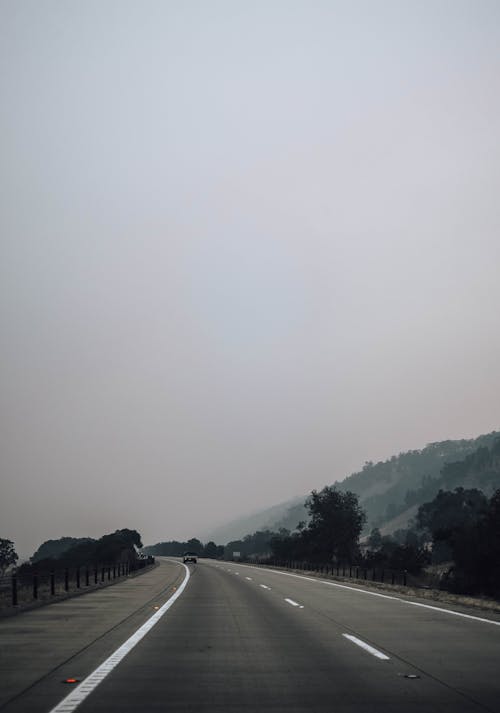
(190, 557)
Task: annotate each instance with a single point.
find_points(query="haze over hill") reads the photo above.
(390, 491)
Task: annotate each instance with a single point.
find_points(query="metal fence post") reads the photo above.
(14, 590)
(86, 576)
(35, 586)
(66, 579)
(52, 583)
(78, 577)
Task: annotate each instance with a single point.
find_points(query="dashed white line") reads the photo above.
(264, 586)
(249, 579)
(73, 700)
(366, 647)
(294, 604)
(382, 596)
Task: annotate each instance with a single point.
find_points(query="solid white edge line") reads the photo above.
(377, 594)
(366, 647)
(294, 604)
(73, 700)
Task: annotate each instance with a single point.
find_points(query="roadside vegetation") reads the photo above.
(119, 546)
(8, 555)
(175, 548)
(454, 531)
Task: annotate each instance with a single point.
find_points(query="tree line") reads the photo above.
(119, 546)
(175, 548)
(459, 526)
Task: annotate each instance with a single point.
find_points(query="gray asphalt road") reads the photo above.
(241, 638)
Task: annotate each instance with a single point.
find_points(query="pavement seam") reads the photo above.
(70, 702)
(85, 648)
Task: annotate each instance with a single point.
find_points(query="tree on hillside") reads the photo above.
(8, 555)
(336, 521)
(451, 511)
(388, 488)
(55, 548)
(468, 525)
(476, 552)
(375, 540)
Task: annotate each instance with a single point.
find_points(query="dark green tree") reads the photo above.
(476, 552)
(194, 545)
(336, 521)
(8, 555)
(451, 511)
(375, 539)
(210, 550)
(55, 548)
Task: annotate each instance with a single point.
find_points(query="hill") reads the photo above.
(390, 491)
(269, 519)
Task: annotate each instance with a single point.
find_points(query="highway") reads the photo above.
(243, 638)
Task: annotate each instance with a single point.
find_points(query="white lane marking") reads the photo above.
(73, 700)
(366, 647)
(382, 596)
(249, 579)
(236, 572)
(294, 604)
(264, 586)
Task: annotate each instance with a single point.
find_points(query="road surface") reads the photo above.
(239, 638)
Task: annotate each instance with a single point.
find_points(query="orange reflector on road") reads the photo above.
(71, 680)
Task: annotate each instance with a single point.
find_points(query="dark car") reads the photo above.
(189, 557)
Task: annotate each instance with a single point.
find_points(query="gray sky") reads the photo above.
(245, 246)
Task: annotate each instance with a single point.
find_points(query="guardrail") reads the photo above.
(21, 588)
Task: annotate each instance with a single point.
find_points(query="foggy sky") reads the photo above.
(245, 247)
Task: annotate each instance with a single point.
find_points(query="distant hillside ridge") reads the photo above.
(387, 488)
(262, 520)
(392, 490)
(479, 470)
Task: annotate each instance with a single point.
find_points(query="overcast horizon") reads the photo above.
(245, 247)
